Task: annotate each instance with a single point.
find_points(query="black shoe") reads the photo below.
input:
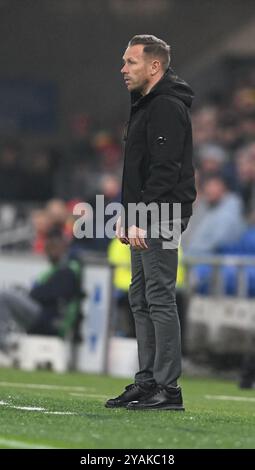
(132, 392)
(164, 398)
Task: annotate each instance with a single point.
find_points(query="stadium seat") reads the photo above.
(235, 249)
(244, 246)
(248, 241)
(250, 280)
(229, 279)
(201, 276)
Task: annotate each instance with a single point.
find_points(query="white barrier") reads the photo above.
(122, 357)
(92, 353)
(220, 324)
(41, 352)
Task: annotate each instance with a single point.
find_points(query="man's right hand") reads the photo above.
(120, 234)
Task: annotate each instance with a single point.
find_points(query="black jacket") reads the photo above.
(158, 147)
(58, 291)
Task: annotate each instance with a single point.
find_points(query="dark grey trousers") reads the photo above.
(153, 303)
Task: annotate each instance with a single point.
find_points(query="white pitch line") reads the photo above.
(27, 408)
(59, 413)
(34, 408)
(229, 398)
(22, 445)
(88, 395)
(47, 387)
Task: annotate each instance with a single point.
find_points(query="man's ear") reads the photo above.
(155, 67)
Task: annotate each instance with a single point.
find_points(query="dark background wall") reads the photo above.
(79, 44)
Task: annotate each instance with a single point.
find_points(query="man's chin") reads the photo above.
(132, 88)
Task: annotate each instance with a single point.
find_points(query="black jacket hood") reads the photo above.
(169, 84)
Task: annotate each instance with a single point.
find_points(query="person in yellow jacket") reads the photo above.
(119, 256)
(180, 280)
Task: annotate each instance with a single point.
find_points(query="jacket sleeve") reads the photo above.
(166, 130)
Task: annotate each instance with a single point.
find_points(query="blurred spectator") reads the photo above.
(57, 213)
(248, 126)
(83, 181)
(244, 100)
(108, 150)
(205, 125)
(110, 187)
(41, 225)
(51, 306)
(213, 159)
(8, 216)
(91, 243)
(245, 168)
(222, 222)
(199, 212)
(230, 132)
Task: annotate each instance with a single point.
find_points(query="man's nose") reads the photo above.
(124, 69)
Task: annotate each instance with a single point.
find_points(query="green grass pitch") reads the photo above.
(47, 410)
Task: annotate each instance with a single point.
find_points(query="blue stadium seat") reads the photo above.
(244, 246)
(202, 277)
(248, 241)
(250, 280)
(229, 278)
(235, 249)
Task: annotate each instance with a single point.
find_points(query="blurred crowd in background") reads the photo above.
(39, 186)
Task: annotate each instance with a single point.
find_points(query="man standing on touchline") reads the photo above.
(157, 169)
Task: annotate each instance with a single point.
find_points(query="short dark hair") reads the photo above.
(153, 46)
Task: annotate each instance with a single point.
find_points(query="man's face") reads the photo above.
(55, 249)
(214, 191)
(136, 69)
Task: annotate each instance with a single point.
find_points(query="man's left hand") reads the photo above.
(137, 237)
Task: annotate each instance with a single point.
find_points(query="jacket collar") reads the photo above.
(169, 84)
